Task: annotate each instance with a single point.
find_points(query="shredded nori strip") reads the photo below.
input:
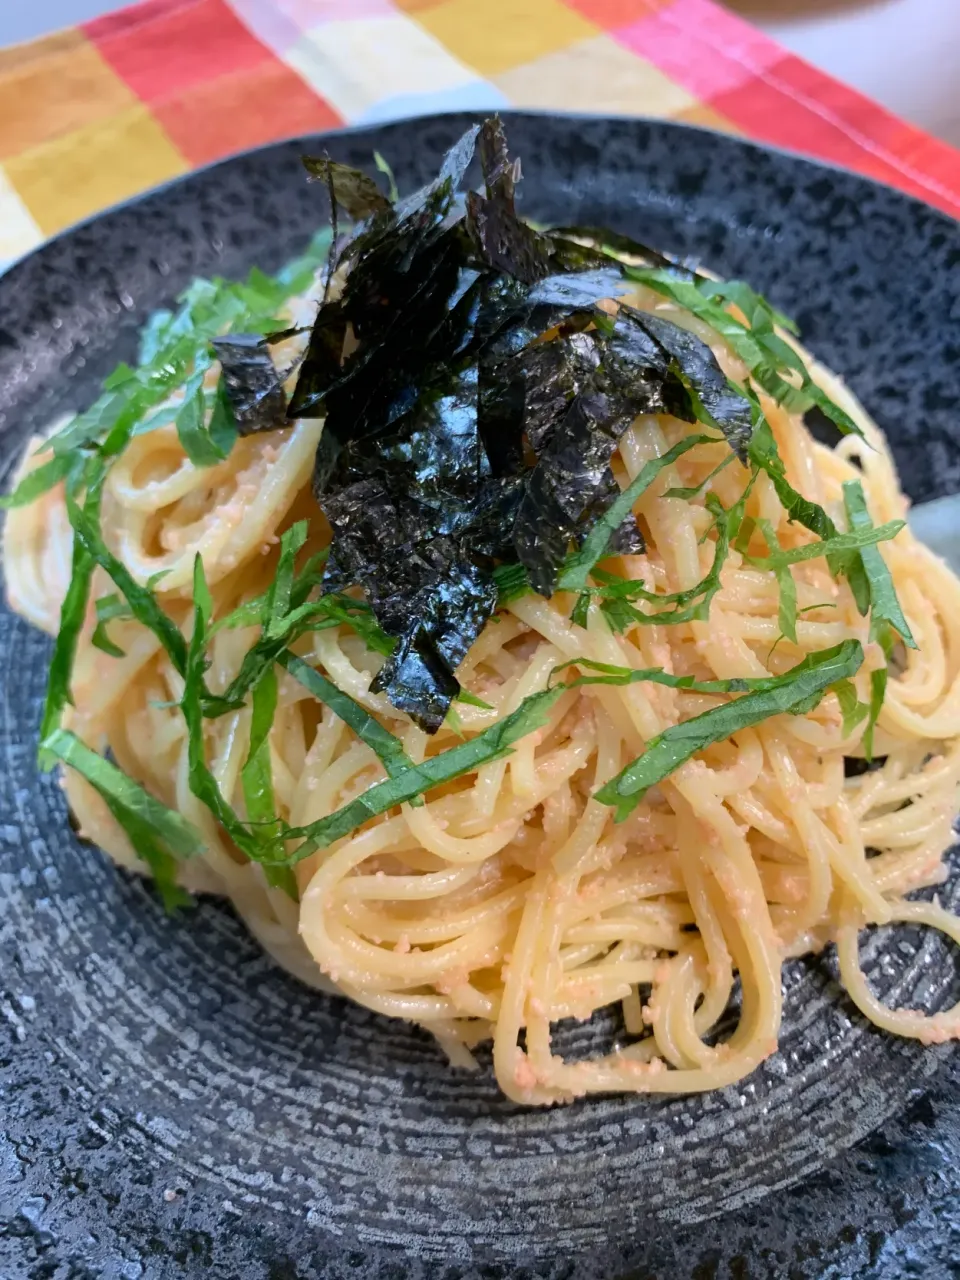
(475, 376)
(253, 385)
(354, 191)
(504, 241)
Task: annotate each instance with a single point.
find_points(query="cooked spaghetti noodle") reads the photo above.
(510, 899)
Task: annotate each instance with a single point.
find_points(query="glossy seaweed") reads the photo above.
(475, 377)
(252, 384)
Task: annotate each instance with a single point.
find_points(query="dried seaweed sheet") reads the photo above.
(253, 385)
(475, 377)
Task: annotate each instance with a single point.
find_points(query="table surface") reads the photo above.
(899, 52)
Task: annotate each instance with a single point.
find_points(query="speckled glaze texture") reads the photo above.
(173, 1105)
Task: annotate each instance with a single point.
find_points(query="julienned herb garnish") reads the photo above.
(142, 602)
(774, 364)
(367, 728)
(109, 608)
(765, 456)
(878, 691)
(285, 613)
(884, 607)
(39, 481)
(873, 590)
(465, 461)
(256, 776)
(851, 708)
(860, 541)
(72, 614)
(596, 545)
(798, 690)
(491, 744)
(692, 605)
(255, 838)
(159, 835)
(490, 377)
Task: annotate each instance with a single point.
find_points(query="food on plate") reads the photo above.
(472, 605)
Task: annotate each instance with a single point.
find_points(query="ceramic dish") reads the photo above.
(173, 1104)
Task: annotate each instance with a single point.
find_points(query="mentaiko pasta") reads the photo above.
(509, 898)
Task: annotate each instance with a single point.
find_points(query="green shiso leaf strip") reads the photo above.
(274, 613)
(761, 316)
(580, 613)
(767, 356)
(285, 614)
(578, 566)
(842, 549)
(278, 603)
(873, 589)
(512, 582)
(160, 835)
(72, 615)
(202, 782)
(763, 453)
(787, 613)
(39, 481)
(222, 427)
(694, 491)
(110, 608)
(851, 708)
(609, 673)
(202, 445)
(840, 544)
(251, 612)
(691, 605)
(884, 605)
(142, 602)
(256, 776)
(878, 691)
(797, 691)
(386, 746)
(491, 744)
(254, 841)
(471, 700)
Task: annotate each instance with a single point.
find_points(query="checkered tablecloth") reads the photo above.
(97, 113)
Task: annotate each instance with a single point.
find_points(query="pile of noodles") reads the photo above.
(511, 899)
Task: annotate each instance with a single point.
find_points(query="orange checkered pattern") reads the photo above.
(97, 113)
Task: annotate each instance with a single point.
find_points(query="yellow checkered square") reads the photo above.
(18, 231)
(495, 35)
(89, 169)
(356, 63)
(595, 75)
(54, 86)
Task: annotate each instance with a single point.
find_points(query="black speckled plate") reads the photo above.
(171, 1104)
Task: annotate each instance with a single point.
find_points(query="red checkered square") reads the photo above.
(612, 14)
(161, 49)
(701, 47)
(247, 109)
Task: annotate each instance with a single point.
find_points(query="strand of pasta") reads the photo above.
(510, 900)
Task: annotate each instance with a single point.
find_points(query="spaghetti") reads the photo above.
(510, 899)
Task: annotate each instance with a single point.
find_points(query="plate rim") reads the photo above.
(681, 127)
(740, 144)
